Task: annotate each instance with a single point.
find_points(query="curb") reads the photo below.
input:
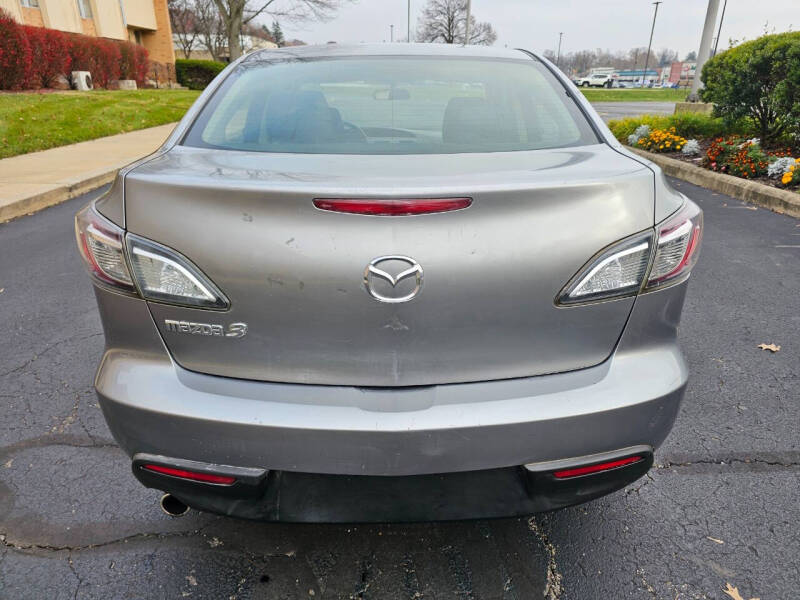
(37, 202)
(777, 200)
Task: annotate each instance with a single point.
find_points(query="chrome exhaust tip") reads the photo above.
(172, 506)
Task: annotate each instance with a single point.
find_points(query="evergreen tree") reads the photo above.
(277, 34)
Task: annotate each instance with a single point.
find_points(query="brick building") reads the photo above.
(144, 22)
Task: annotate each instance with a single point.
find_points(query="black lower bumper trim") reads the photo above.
(305, 497)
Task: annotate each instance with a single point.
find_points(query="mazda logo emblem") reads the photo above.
(403, 267)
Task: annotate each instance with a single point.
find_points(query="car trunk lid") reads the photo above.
(295, 274)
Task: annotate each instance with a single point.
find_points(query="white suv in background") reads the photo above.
(596, 80)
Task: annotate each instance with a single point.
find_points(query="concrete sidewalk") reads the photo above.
(37, 180)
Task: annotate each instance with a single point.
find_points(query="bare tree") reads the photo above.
(444, 21)
(184, 24)
(581, 61)
(211, 33)
(234, 14)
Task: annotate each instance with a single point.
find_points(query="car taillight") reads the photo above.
(101, 245)
(677, 247)
(620, 269)
(615, 272)
(156, 272)
(164, 275)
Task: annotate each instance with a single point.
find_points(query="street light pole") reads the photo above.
(409, 21)
(705, 46)
(466, 27)
(719, 31)
(652, 29)
(391, 33)
(558, 54)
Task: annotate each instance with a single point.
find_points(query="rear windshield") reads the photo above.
(390, 105)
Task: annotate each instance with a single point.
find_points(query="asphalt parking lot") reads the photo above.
(720, 506)
(621, 110)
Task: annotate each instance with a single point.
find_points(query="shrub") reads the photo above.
(197, 74)
(779, 166)
(691, 148)
(50, 53)
(107, 61)
(134, 62)
(99, 56)
(688, 125)
(640, 132)
(760, 80)
(15, 54)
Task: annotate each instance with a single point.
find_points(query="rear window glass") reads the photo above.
(390, 105)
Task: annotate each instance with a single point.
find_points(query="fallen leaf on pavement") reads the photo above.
(770, 347)
(734, 593)
(715, 540)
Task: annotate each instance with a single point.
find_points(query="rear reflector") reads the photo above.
(192, 475)
(391, 207)
(606, 466)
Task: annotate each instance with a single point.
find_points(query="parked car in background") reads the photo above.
(596, 80)
(389, 282)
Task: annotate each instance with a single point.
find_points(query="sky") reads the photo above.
(587, 24)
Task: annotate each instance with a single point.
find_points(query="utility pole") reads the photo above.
(466, 27)
(558, 54)
(409, 21)
(705, 46)
(391, 33)
(652, 29)
(719, 31)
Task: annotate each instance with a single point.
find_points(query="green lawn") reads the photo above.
(634, 95)
(31, 122)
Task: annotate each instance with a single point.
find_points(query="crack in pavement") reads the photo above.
(54, 439)
(75, 573)
(21, 546)
(47, 349)
(788, 459)
(554, 583)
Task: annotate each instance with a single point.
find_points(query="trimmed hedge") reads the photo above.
(15, 54)
(197, 74)
(34, 57)
(99, 56)
(687, 125)
(50, 55)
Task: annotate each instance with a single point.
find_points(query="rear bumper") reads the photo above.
(478, 430)
(159, 408)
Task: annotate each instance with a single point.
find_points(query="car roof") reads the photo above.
(341, 50)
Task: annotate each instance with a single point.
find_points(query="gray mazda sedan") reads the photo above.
(389, 282)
